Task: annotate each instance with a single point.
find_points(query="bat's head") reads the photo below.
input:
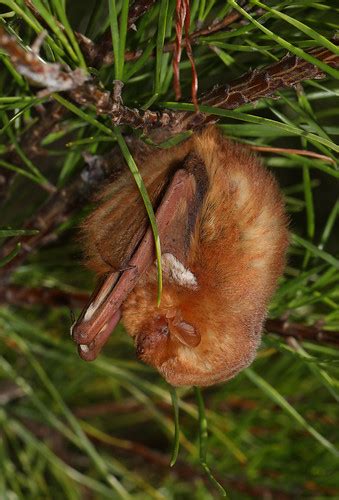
(161, 332)
(223, 233)
(181, 338)
(161, 336)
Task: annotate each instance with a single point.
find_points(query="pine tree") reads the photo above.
(77, 76)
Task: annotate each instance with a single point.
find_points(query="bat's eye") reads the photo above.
(164, 330)
(160, 326)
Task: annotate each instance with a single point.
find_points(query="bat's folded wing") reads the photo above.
(174, 221)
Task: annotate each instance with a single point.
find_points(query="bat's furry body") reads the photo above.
(216, 292)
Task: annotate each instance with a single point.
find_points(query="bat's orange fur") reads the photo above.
(236, 254)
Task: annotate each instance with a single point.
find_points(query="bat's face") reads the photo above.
(223, 232)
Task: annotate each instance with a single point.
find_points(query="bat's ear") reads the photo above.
(185, 333)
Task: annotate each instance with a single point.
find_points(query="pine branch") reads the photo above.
(254, 85)
(138, 9)
(289, 72)
(314, 333)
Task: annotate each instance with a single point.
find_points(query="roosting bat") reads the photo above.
(223, 232)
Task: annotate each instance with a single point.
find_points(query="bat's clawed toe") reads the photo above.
(87, 353)
(90, 341)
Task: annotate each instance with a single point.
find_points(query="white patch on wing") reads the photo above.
(101, 296)
(177, 271)
(90, 311)
(72, 328)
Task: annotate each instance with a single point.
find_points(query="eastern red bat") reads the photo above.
(223, 232)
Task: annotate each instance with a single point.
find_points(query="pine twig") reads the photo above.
(50, 76)
(138, 9)
(218, 26)
(50, 117)
(289, 72)
(103, 54)
(257, 84)
(17, 295)
(313, 333)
